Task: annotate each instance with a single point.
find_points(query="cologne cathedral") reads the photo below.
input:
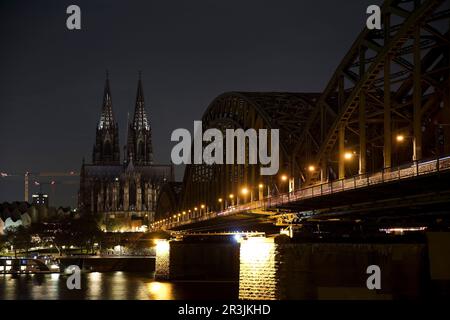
(122, 194)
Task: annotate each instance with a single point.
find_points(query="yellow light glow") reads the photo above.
(220, 200)
(244, 191)
(284, 177)
(311, 168)
(260, 186)
(202, 206)
(162, 246)
(159, 291)
(195, 209)
(231, 196)
(348, 155)
(400, 138)
(174, 215)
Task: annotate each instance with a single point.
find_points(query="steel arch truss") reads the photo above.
(392, 82)
(288, 112)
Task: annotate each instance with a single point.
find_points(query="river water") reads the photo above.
(111, 286)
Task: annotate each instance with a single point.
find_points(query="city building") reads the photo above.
(122, 194)
(40, 199)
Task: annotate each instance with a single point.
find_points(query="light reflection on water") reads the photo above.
(112, 286)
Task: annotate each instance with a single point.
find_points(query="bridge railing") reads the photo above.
(406, 171)
(414, 169)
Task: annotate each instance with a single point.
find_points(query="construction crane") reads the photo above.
(28, 174)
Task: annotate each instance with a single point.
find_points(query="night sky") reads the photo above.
(52, 79)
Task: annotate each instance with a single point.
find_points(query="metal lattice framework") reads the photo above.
(285, 111)
(392, 83)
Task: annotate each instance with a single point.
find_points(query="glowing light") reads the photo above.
(348, 155)
(402, 230)
(400, 138)
(174, 215)
(260, 186)
(159, 290)
(284, 177)
(195, 209)
(220, 200)
(162, 246)
(244, 191)
(238, 237)
(231, 196)
(311, 168)
(202, 206)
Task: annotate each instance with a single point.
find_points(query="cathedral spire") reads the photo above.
(106, 147)
(139, 131)
(107, 116)
(140, 121)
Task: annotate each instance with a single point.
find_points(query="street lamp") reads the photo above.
(348, 155)
(400, 138)
(261, 191)
(311, 168)
(231, 196)
(285, 178)
(245, 191)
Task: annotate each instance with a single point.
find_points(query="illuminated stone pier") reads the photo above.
(277, 268)
(283, 268)
(162, 262)
(197, 259)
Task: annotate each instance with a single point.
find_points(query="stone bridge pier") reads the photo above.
(283, 268)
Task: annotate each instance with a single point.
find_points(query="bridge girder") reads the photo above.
(391, 82)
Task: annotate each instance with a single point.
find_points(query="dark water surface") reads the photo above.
(111, 286)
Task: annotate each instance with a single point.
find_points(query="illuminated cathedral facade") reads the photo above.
(122, 194)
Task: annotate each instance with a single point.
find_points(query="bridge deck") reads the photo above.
(262, 209)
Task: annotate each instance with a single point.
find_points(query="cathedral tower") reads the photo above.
(139, 144)
(106, 149)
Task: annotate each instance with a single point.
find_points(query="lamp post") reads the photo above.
(260, 191)
(231, 196)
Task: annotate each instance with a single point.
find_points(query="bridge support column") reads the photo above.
(341, 152)
(417, 99)
(446, 121)
(362, 118)
(279, 268)
(387, 115)
(197, 259)
(162, 263)
(387, 100)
